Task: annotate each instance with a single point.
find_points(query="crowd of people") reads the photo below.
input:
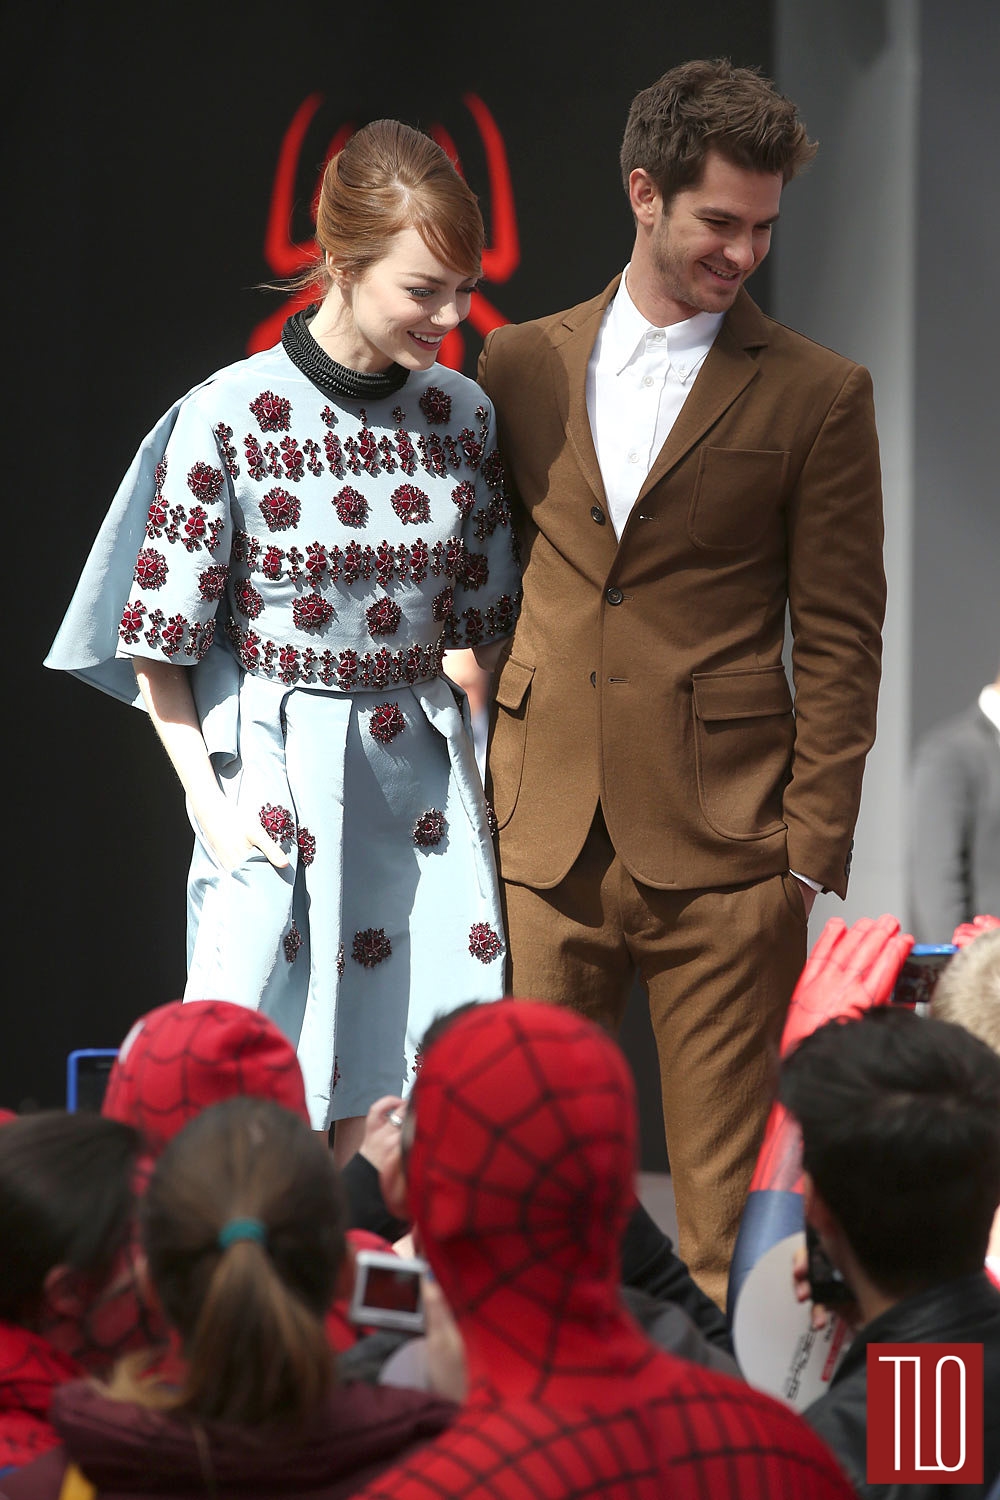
(175, 1310)
(395, 1052)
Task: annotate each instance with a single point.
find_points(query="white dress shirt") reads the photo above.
(638, 379)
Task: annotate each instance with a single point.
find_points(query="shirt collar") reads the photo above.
(626, 331)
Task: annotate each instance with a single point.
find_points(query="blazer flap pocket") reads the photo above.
(749, 693)
(515, 680)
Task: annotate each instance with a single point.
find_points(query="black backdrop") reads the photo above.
(141, 151)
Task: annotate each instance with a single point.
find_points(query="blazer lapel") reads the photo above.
(572, 348)
(727, 371)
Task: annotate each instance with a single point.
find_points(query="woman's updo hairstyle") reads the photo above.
(243, 1229)
(387, 178)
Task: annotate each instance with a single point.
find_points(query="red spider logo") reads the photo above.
(286, 258)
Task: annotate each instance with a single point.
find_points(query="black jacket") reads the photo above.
(966, 1311)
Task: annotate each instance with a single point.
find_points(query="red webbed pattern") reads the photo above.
(520, 1177)
(180, 1058)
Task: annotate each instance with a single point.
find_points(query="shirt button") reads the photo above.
(647, 380)
(633, 457)
(597, 514)
(614, 596)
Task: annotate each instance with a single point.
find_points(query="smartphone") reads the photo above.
(921, 972)
(87, 1073)
(387, 1291)
(826, 1284)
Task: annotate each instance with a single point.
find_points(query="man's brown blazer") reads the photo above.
(647, 673)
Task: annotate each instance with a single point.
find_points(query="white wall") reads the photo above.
(845, 268)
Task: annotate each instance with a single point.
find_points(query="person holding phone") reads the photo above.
(295, 546)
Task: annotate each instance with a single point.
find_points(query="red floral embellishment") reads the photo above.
(464, 496)
(351, 507)
(173, 634)
(312, 612)
(429, 828)
(280, 510)
(204, 482)
(157, 518)
(273, 412)
(386, 722)
(150, 569)
(371, 947)
(292, 458)
(307, 847)
(292, 942)
(131, 622)
(410, 504)
(443, 604)
(383, 617)
(224, 433)
(247, 599)
(484, 943)
(212, 583)
(288, 664)
(270, 563)
(278, 822)
(368, 450)
(195, 528)
(347, 669)
(474, 571)
(493, 469)
(435, 405)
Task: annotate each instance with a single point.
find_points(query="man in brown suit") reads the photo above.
(683, 469)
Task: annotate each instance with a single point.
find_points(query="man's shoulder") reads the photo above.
(750, 326)
(550, 327)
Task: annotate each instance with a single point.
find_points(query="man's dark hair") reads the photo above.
(711, 106)
(900, 1119)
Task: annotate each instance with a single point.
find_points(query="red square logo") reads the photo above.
(925, 1413)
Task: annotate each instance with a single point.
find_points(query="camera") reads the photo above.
(921, 972)
(387, 1291)
(826, 1284)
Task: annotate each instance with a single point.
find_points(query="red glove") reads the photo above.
(849, 970)
(967, 932)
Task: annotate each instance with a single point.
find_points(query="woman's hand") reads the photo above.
(230, 834)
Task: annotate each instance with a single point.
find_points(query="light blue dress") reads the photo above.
(310, 560)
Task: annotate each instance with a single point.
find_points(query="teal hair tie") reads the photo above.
(242, 1229)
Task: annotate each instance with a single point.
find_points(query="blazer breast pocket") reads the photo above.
(737, 492)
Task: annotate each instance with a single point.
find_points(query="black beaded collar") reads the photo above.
(334, 380)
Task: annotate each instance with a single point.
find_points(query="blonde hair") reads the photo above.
(968, 992)
(387, 178)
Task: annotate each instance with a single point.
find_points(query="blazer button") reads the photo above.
(614, 596)
(597, 514)
(593, 679)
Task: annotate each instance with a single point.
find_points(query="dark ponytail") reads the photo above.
(243, 1229)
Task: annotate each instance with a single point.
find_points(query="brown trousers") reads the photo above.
(719, 967)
